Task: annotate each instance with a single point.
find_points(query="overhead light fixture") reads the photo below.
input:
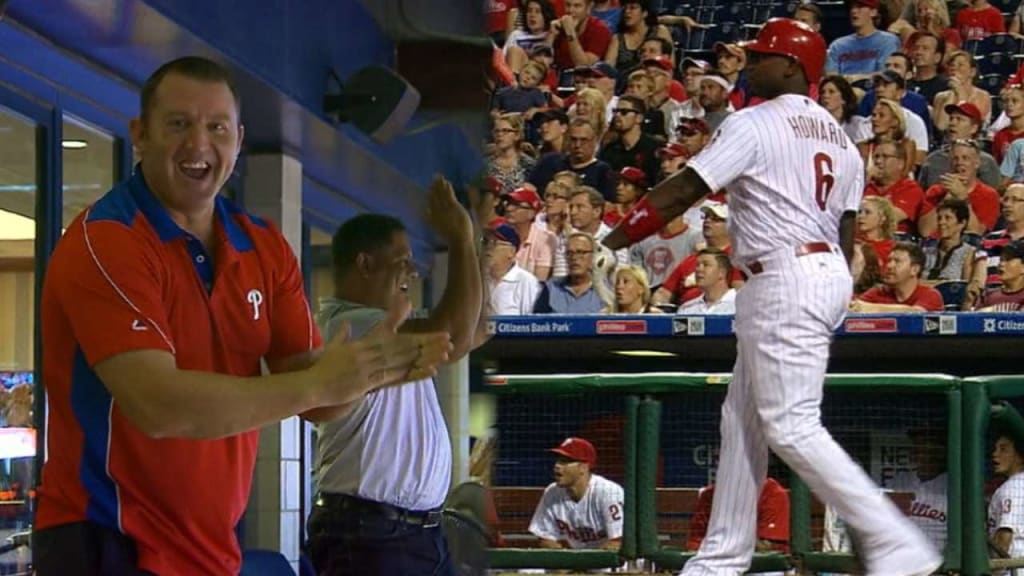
(645, 353)
(73, 144)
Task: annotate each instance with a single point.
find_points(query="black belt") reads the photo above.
(756, 267)
(347, 503)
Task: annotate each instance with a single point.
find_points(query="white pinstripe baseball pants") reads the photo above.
(785, 317)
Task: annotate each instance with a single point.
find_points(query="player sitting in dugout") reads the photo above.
(580, 509)
(1006, 508)
(772, 517)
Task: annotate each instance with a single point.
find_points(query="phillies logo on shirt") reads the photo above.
(659, 260)
(582, 533)
(922, 510)
(255, 299)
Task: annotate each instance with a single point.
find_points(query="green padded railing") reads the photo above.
(660, 382)
(519, 558)
(629, 521)
(668, 558)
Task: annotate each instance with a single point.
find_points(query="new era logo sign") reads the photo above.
(691, 326)
(942, 325)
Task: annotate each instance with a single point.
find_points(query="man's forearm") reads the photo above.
(458, 312)
(669, 199)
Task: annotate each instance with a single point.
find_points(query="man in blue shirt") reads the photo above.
(899, 63)
(574, 294)
(861, 54)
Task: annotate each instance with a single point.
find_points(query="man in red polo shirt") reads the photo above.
(902, 291)
(160, 302)
(890, 181)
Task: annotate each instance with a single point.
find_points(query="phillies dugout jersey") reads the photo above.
(125, 277)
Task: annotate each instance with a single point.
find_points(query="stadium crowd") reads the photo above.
(594, 102)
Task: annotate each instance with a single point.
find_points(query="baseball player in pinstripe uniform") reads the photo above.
(794, 181)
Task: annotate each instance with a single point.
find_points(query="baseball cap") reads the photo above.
(673, 150)
(691, 126)
(554, 114)
(663, 62)
(695, 63)
(967, 109)
(891, 77)
(865, 3)
(1013, 250)
(505, 232)
(634, 176)
(492, 185)
(718, 210)
(577, 449)
(733, 49)
(524, 195)
(604, 69)
(720, 80)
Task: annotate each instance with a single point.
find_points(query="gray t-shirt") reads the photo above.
(393, 446)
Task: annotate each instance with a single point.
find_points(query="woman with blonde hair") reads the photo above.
(888, 124)
(632, 292)
(507, 162)
(590, 104)
(930, 16)
(962, 70)
(876, 224)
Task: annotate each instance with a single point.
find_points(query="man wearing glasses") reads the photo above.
(965, 120)
(633, 147)
(890, 181)
(575, 294)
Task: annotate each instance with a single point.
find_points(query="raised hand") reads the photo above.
(445, 214)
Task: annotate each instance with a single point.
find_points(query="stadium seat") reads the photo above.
(1007, 7)
(970, 46)
(782, 9)
(992, 83)
(972, 239)
(953, 292)
(997, 43)
(736, 12)
(727, 32)
(1002, 63)
(706, 14)
(265, 563)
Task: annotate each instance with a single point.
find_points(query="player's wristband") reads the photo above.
(641, 221)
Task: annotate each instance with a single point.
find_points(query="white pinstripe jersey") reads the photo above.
(790, 171)
(589, 523)
(1006, 510)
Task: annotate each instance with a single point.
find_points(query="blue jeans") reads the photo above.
(363, 543)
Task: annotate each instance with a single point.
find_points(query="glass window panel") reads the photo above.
(88, 156)
(18, 190)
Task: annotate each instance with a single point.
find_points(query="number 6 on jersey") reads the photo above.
(824, 180)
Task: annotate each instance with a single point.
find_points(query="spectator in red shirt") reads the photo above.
(1013, 106)
(772, 517)
(979, 20)
(1009, 296)
(633, 184)
(902, 291)
(673, 157)
(876, 222)
(889, 180)
(962, 183)
(693, 134)
(579, 39)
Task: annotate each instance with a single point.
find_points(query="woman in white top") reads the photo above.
(888, 124)
(963, 71)
(524, 34)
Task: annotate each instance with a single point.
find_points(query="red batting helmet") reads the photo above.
(796, 40)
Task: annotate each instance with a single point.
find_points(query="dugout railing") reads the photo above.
(669, 417)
